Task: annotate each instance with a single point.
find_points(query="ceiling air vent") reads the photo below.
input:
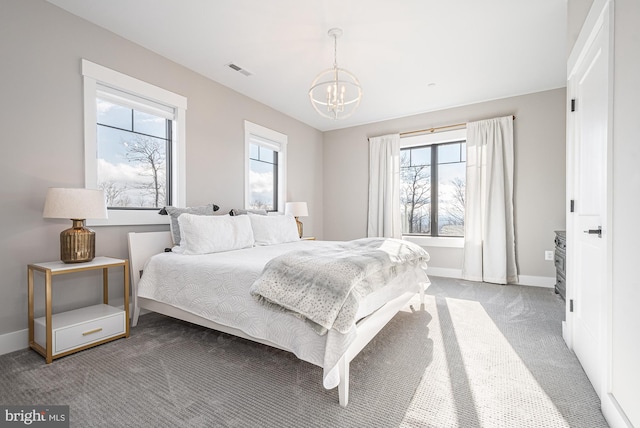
(239, 69)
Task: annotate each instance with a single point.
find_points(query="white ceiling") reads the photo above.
(411, 56)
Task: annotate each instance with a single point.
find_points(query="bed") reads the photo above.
(215, 290)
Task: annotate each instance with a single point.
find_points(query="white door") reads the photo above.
(588, 234)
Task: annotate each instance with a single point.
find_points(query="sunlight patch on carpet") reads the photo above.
(476, 377)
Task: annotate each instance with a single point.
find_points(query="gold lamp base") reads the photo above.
(77, 244)
(299, 223)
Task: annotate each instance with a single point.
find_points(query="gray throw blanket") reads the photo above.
(325, 285)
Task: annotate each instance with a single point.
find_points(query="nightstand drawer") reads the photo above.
(81, 327)
(559, 261)
(561, 285)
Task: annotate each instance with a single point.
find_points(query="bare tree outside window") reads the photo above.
(451, 216)
(455, 207)
(113, 192)
(149, 155)
(415, 195)
(132, 162)
(433, 169)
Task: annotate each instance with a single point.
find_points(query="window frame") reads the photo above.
(273, 140)
(439, 138)
(98, 78)
(135, 133)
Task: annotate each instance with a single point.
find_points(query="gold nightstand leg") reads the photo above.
(30, 297)
(126, 297)
(47, 296)
(105, 285)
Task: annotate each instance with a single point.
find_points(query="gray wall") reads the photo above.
(41, 47)
(539, 131)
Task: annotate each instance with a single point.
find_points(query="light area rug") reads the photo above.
(476, 355)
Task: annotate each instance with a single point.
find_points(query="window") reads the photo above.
(263, 177)
(265, 168)
(432, 184)
(133, 150)
(134, 145)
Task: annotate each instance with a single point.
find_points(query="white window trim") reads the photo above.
(427, 140)
(96, 75)
(278, 143)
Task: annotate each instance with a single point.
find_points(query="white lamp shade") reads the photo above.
(77, 204)
(296, 209)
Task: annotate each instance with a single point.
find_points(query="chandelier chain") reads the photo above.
(335, 51)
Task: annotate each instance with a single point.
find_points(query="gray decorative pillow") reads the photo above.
(237, 211)
(174, 212)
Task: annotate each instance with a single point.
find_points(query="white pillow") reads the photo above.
(204, 234)
(274, 229)
(175, 212)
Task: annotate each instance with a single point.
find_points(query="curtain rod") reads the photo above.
(437, 129)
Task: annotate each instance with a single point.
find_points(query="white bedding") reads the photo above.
(325, 286)
(216, 287)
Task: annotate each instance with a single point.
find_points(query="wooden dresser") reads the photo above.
(560, 261)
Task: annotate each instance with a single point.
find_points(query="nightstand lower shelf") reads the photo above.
(84, 327)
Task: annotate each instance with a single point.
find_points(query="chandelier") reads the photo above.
(335, 93)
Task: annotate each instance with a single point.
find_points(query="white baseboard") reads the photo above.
(536, 281)
(14, 341)
(613, 413)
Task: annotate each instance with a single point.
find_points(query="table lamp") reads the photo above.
(297, 209)
(77, 244)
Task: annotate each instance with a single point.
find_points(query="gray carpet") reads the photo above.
(477, 355)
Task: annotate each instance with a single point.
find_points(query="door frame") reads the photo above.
(600, 18)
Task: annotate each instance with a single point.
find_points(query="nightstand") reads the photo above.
(56, 335)
(560, 256)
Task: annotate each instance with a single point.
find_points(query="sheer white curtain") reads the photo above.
(489, 239)
(384, 187)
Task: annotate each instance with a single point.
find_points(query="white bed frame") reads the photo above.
(144, 245)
